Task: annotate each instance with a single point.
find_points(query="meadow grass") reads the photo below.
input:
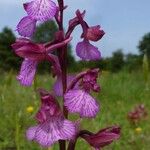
(119, 94)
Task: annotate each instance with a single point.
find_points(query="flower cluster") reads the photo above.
(52, 118)
(138, 113)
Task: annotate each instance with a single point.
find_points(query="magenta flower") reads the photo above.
(84, 49)
(52, 126)
(32, 54)
(87, 51)
(79, 100)
(103, 138)
(37, 10)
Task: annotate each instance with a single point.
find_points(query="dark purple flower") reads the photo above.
(138, 113)
(32, 54)
(52, 126)
(78, 100)
(102, 138)
(87, 51)
(94, 33)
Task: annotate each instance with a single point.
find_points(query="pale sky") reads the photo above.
(124, 21)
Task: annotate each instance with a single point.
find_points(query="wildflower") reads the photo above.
(85, 50)
(138, 130)
(137, 114)
(30, 109)
(78, 100)
(33, 54)
(102, 138)
(37, 10)
(52, 126)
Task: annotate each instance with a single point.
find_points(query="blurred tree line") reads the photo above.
(45, 32)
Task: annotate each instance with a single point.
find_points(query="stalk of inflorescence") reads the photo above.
(62, 54)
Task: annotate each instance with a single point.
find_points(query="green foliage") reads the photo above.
(133, 62)
(117, 61)
(45, 32)
(144, 45)
(146, 69)
(8, 59)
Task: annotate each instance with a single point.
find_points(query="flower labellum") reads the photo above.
(79, 101)
(27, 72)
(87, 51)
(26, 26)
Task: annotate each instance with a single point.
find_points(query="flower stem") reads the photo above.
(62, 54)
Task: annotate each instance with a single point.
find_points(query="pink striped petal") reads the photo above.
(47, 133)
(79, 101)
(27, 72)
(26, 26)
(41, 10)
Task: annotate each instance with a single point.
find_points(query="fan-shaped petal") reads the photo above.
(79, 101)
(87, 51)
(27, 72)
(26, 26)
(41, 10)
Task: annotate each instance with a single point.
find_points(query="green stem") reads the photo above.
(17, 133)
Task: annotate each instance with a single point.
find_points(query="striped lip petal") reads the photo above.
(87, 51)
(79, 101)
(41, 10)
(27, 72)
(49, 132)
(26, 26)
